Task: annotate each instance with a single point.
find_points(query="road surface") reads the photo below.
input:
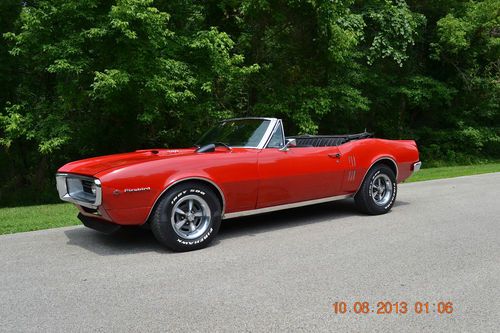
(275, 272)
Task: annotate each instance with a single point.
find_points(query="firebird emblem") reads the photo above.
(139, 189)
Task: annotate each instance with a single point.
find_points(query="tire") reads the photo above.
(378, 191)
(195, 204)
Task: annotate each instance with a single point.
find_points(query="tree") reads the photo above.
(91, 77)
(468, 44)
(99, 77)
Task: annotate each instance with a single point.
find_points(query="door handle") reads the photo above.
(336, 155)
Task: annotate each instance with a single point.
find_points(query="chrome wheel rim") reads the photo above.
(381, 190)
(190, 217)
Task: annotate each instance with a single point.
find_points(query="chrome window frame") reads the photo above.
(62, 188)
(277, 125)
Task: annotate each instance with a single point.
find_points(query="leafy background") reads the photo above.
(82, 78)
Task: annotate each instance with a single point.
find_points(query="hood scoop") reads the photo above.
(210, 148)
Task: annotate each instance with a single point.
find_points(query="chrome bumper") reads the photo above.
(69, 190)
(416, 166)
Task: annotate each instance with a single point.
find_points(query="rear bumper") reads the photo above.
(416, 166)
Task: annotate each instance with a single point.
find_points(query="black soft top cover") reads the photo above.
(328, 140)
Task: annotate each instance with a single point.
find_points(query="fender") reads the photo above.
(172, 182)
(377, 160)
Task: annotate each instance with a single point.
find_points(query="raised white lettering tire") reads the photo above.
(187, 217)
(378, 191)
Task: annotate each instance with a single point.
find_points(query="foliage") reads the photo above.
(83, 78)
(468, 44)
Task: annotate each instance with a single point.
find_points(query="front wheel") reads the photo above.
(378, 191)
(187, 217)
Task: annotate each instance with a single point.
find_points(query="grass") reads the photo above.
(29, 218)
(453, 171)
(20, 219)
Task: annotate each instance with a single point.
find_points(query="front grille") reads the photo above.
(81, 190)
(87, 186)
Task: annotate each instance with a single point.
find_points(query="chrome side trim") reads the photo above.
(417, 166)
(187, 179)
(371, 166)
(285, 206)
(62, 189)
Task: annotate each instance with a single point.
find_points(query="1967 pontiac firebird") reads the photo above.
(240, 167)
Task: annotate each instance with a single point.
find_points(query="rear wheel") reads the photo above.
(187, 217)
(378, 191)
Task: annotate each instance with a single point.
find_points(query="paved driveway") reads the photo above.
(274, 272)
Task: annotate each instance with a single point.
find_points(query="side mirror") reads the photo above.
(288, 144)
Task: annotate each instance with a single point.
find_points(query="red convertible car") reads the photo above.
(240, 167)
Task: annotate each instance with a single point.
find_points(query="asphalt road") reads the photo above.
(274, 272)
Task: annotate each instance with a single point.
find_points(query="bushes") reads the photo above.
(83, 78)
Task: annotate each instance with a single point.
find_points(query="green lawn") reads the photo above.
(19, 219)
(453, 171)
(30, 218)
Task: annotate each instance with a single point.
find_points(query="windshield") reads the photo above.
(236, 133)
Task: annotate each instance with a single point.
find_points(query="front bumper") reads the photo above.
(75, 188)
(98, 224)
(416, 166)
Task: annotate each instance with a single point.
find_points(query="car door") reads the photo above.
(298, 174)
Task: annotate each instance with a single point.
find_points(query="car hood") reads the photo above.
(95, 165)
